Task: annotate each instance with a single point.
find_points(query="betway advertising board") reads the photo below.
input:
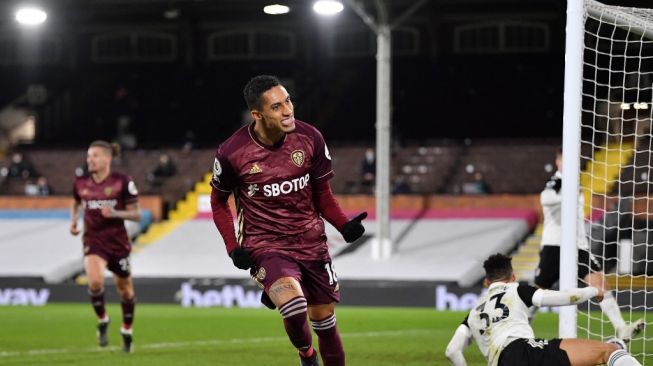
(244, 294)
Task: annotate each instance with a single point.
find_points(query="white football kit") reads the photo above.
(501, 317)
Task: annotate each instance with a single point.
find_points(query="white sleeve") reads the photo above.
(460, 340)
(565, 297)
(550, 197)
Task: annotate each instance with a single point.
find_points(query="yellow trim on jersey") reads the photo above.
(240, 217)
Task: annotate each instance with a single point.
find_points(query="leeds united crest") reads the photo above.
(297, 157)
(217, 170)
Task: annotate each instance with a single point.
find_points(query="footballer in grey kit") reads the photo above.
(278, 169)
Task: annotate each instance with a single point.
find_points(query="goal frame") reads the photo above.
(572, 112)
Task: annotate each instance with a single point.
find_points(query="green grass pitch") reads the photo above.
(64, 334)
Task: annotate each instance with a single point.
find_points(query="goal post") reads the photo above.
(571, 121)
(608, 164)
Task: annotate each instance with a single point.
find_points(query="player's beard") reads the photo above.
(278, 126)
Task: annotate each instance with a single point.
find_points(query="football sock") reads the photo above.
(127, 306)
(294, 320)
(331, 350)
(97, 300)
(622, 358)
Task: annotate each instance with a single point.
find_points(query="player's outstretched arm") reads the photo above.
(460, 340)
(565, 297)
(328, 207)
(224, 221)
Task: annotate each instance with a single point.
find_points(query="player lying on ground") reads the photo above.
(499, 325)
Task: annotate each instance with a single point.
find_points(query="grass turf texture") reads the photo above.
(64, 334)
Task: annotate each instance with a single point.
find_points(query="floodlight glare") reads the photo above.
(276, 9)
(328, 7)
(31, 16)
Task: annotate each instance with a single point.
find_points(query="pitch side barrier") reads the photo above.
(240, 293)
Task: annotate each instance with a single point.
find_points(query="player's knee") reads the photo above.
(596, 279)
(606, 352)
(321, 311)
(296, 305)
(127, 295)
(95, 286)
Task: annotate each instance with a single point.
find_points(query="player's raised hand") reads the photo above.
(73, 228)
(354, 229)
(241, 258)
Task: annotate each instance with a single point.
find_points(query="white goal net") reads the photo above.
(616, 154)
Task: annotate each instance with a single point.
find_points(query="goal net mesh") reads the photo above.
(616, 159)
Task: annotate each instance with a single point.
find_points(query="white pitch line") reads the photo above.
(211, 342)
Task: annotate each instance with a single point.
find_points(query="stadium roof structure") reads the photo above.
(128, 12)
(87, 12)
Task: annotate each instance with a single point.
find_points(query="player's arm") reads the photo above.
(551, 193)
(74, 211)
(458, 343)
(131, 212)
(323, 198)
(74, 217)
(222, 218)
(224, 221)
(328, 207)
(540, 297)
(223, 183)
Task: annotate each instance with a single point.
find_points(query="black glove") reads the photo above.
(354, 229)
(241, 258)
(267, 301)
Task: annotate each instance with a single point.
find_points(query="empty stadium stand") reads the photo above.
(59, 166)
(439, 166)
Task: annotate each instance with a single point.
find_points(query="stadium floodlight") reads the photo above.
(328, 7)
(30, 16)
(276, 9)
